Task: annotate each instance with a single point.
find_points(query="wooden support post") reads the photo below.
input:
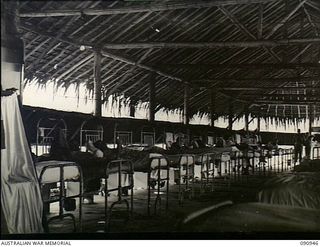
(230, 116)
(12, 48)
(246, 120)
(212, 107)
(258, 124)
(97, 84)
(152, 96)
(311, 118)
(132, 110)
(260, 22)
(186, 105)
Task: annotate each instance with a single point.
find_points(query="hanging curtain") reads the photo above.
(20, 193)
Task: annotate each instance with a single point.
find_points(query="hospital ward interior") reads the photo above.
(202, 120)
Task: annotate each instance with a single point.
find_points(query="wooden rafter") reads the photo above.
(310, 20)
(143, 8)
(107, 54)
(240, 65)
(256, 88)
(260, 22)
(285, 19)
(254, 43)
(78, 65)
(284, 102)
(283, 79)
(236, 22)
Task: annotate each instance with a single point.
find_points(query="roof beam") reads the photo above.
(297, 98)
(106, 53)
(139, 8)
(279, 95)
(285, 19)
(236, 22)
(310, 20)
(284, 102)
(300, 53)
(253, 43)
(242, 65)
(283, 79)
(260, 22)
(256, 88)
(76, 66)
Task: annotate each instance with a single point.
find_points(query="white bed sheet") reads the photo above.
(155, 162)
(52, 175)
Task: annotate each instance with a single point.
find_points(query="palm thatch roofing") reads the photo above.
(259, 55)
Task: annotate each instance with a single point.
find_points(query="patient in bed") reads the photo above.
(94, 150)
(60, 149)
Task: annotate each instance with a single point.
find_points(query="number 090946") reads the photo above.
(309, 243)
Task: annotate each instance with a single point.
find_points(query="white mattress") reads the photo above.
(52, 175)
(225, 149)
(252, 154)
(155, 162)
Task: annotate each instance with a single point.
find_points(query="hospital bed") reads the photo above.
(68, 176)
(122, 136)
(315, 153)
(45, 131)
(90, 130)
(158, 172)
(124, 170)
(148, 136)
(206, 161)
(184, 166)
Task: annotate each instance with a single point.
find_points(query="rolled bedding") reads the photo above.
(256, 217)
(308, 166)
(295, 190)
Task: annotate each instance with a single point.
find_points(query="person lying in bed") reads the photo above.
(60, 149)
(94, 150)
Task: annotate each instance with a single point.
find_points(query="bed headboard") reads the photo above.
(125, 137)
(45, 131)
(148, 136)
(91, 130)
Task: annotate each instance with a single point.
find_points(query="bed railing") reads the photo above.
(207, 171)
(123, 168)
(63, 197)
(315, 153)
(125, 137)
(186, 176)
(90, 133)
(148, 138)
(44, 136)
(155, 179)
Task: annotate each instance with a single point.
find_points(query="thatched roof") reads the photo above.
(263, 55)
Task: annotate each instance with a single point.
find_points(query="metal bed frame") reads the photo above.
(124, 136)
(158, 179)
(187, 178)
(210, 134)
(90, 134)
(47, 131)
(120, 171)
(62, 195)
(315, 153)
(207, 171)
(278, 162)
(236, 163)
(145, 133)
